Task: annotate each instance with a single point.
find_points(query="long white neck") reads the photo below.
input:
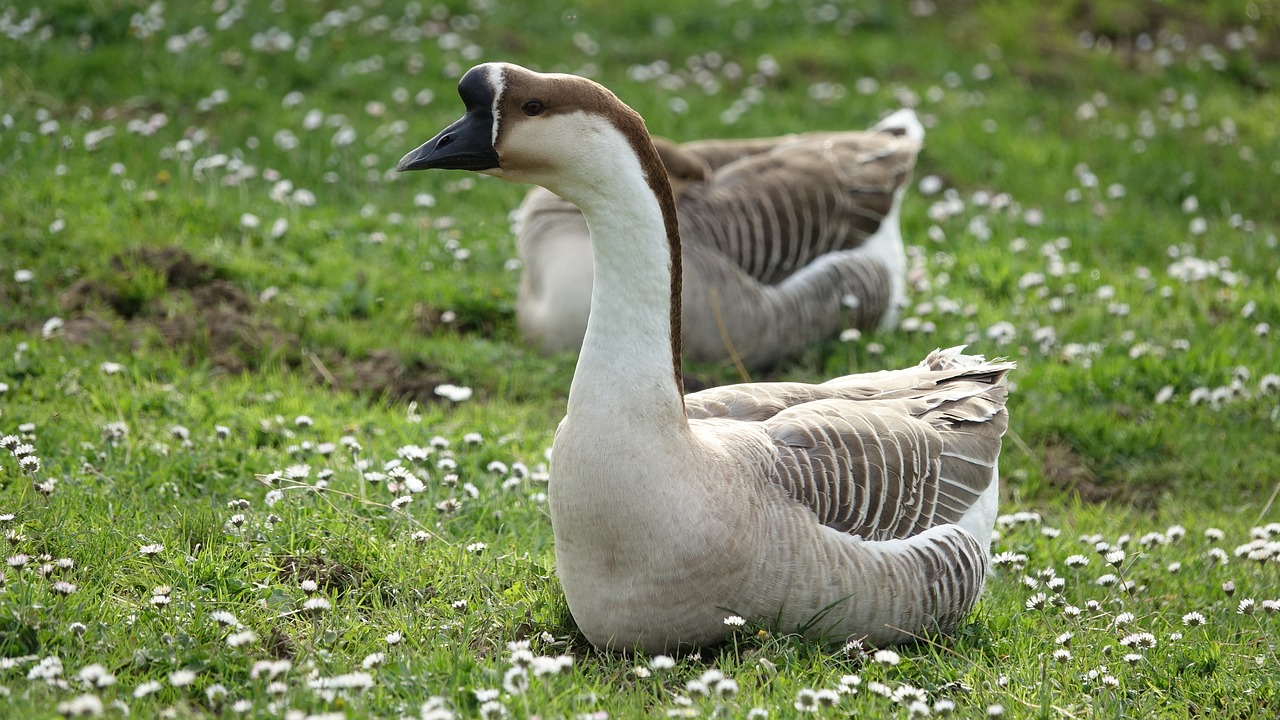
(629, 362)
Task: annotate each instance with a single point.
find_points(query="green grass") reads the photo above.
(337, 318)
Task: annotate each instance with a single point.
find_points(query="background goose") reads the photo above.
(860, 507)
(786, 241)
(554, 297)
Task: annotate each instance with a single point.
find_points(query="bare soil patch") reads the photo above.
(1064, 468)
(164, 294)
(380, 373)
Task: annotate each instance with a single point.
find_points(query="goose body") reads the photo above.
(859, 507)
(786, 241)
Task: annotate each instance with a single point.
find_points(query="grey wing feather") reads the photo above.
(862, 468)
(774, 212)
(882, 455)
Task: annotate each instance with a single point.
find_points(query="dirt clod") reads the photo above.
(382, 373)
(328, 574)
(1064, 468)
(464, 320)
(221, 294)
(85, 293)
(280, 645)
(86, 329)
(180, 269)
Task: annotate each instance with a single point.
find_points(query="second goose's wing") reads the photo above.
(775, 212)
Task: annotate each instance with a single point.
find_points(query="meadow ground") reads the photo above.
(273, 447)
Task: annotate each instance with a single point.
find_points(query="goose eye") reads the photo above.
(533, 107)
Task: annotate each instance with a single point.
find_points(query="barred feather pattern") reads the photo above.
(773, 213)
(895, 460)
(880, 592)
(880, 455)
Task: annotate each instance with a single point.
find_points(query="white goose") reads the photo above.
(785, 240)
(859, 507)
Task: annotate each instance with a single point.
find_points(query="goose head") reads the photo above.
(575, 138)
(563, 132)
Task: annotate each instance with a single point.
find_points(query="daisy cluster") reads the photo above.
(429, 475)
(1113, 616)
(1057, 287)
(714, 690)
(251, 678)
(524, 669)
(1055, 281)
(1119, 613)
(265, 170)
(427, 42)
(1127, 610)
(21, 450)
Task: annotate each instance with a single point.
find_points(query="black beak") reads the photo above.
(465, 145)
